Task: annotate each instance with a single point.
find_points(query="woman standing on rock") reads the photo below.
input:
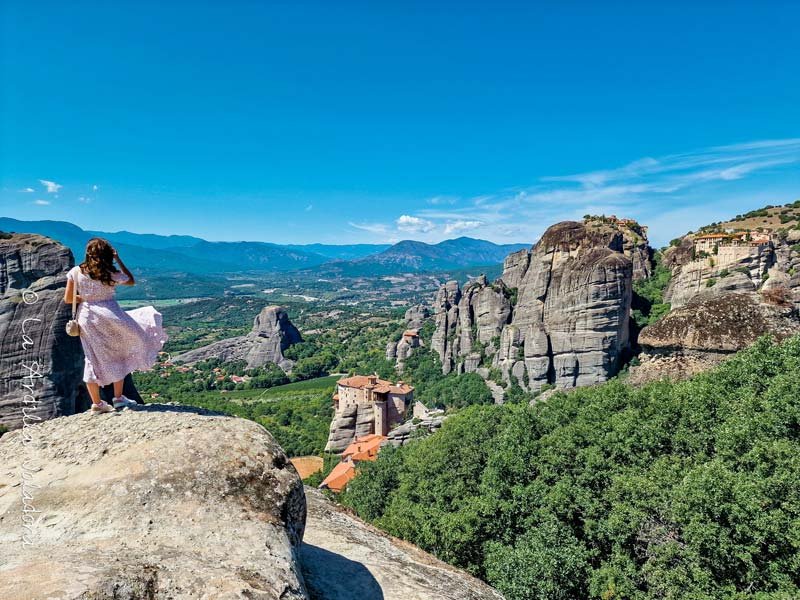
(115, 342)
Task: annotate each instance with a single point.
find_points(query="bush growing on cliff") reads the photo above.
(648, 294)
(671, 490)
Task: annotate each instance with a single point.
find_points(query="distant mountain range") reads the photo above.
(188, 254)
(417, 257)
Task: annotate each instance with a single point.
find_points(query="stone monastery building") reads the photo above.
(388, 400)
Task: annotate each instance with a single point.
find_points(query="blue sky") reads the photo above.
(345, 122)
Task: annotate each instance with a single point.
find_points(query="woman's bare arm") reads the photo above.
(124, 269)
(69, 291)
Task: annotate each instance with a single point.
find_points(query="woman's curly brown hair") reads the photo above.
(99, 261)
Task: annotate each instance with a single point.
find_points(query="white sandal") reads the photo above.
(124, 402)
(102, 407)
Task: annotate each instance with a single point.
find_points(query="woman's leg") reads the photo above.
(94, 392)
(118, 388)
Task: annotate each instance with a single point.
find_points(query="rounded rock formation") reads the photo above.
(272, 333)
(161, 502)
(41, 367)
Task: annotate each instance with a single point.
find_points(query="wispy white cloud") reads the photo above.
(461, 226)
(646, 188)
(42, 202)
(440, 200)
(27, 190)
(51, 186)
(411, 224)
(95, 187)
(380, 228)
(660, 191)
(84, 199)
(677, 171)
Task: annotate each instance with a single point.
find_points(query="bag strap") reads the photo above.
(74, 295)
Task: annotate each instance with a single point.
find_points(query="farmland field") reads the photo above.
(297, 414)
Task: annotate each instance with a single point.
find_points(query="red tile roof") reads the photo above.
(380, 385)
(361, 381)
(713, 236)
(364, 448)
(340, 476)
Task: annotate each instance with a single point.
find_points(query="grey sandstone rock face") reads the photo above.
(345, 558)
(515, 266)
(637, 248)
(163, 502)
(416, 316)
(446, 320)
(415, 428)
(32, 279)
(720, 323)
(469, 323)
(272, 333)
(708, 328)
(404, 349)
(349, 423)
(693, 278)
(776, 265)
(559, 315)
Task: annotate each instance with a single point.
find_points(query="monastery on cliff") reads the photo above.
(389, 401)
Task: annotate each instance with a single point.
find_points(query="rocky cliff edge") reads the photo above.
(160, 502)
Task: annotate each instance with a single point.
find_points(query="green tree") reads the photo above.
(670, 490)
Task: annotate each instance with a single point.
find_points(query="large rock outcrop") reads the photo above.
(423, 423)
(636, 246)
(416, 316)
(469, 323)
(345, 558)
(161, 502)
(707, 329)
(693, 277)
(775, 264)
(558, 315)
(35, 351)
(272, 333)
(351, 422)
(399, 351)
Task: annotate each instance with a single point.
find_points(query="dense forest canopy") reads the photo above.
(671, 490)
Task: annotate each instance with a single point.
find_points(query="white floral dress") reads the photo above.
(115, 342)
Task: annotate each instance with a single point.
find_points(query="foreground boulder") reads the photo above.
(271, 335)
(161, 502)
(35, 350)
(707, 329)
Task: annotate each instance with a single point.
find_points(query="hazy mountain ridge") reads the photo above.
(182, 254)
(418, 257)
(341, 252)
